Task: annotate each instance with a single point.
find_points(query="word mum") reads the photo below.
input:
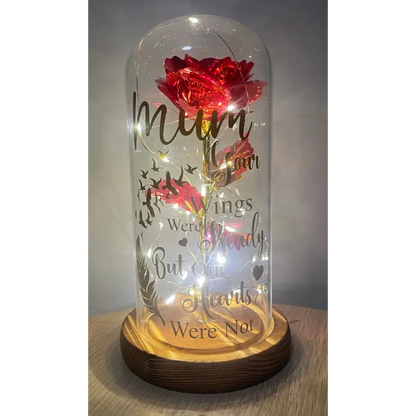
(214, 130)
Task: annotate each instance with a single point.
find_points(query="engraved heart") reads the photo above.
(258, 272)
(183, 242)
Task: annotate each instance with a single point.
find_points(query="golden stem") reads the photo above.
(207, 191)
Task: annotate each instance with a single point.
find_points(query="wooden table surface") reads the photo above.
(300, 389)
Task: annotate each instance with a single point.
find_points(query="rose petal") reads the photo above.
(232, 72)
(168, 90)
(208, 62)
(174, 64)
(209, 84)
(196, 64)
(183, 199)
(199, 91)
(245, 94)
(245, 68)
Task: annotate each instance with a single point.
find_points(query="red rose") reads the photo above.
(210, 84)
(182, 195)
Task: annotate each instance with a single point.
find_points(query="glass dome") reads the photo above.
(198, 92)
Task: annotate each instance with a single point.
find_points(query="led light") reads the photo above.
(259, 291)
(170, 299)
(193, 20)
(201, 280)
(176, 206)
(161, 225)
(203, 190)
(220, 258)
(185, 275)
(192, 292)
(254, 259)
(231, 107)
(149, 253)
(230, 229)
(186, 48)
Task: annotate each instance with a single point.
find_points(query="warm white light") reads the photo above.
(201, 280)
(230, 229)
(203, 190)
(259, 291)
(192, 292)
(186, 48)
(165, 159)
(185, 275)
(220, 258)
(170, 299)
(161, 225)
(231, 107)
(222, 195)
(176, 206)
(254, 259)
(193, 20)
(139, 127)
(149, 253)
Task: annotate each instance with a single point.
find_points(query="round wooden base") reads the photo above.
(181, 370)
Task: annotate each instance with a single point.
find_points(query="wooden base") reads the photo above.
(220, 372)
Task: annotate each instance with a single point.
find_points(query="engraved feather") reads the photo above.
(147, 287)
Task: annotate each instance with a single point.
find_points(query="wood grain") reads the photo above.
(215, 371)
(300, 389)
